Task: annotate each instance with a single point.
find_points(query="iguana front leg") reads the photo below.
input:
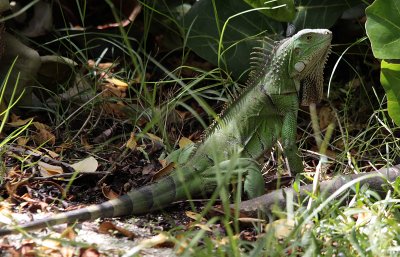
(290, 149)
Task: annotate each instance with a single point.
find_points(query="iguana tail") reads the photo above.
(143, 200)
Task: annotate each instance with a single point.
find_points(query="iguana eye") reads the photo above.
(309, 37)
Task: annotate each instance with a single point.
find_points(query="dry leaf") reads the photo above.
(183, 244)
(116, 109)
(89, 252)
(195, 216)
(184, 141)
(27, 250)
(108, 192)
(119, 83)
(251, 220)
(326, 116)
(69, 233)
(85, 143)
(50, 247)
(281, 228)
(163, 163)
(101, 66)
(203, 227)
(106, 227)
(114, 88)
(43, 135)
(22, 141)
(67, 251)
(154, 137)
(182, 115)
(6, 214)
(131, 143)
(163, 172)
(106, 65)
(52, 154)
(47, 170)
(147, 243)
(39, 125)
(148, 169)
(89, 164)
(363, 217)
(63, 147)
(18, 122)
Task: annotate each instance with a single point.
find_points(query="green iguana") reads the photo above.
(289, 73)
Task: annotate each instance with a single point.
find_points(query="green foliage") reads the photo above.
(280, 10)
(5, 106)
(383, 28)
(320, 13)
(390, 80)
(205, 19)
(204, 24)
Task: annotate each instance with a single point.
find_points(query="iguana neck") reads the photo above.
(277, 80)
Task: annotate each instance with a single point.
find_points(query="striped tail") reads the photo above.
(143, 200)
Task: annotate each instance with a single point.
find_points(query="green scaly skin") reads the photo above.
(264, 113)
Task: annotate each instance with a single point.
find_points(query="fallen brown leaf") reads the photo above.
(108, 192)
(89, 252)
(106, 227)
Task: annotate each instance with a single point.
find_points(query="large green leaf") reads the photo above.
(280, 10)
(321, 13)
(390, 80)
(383, 28)
(204, 24)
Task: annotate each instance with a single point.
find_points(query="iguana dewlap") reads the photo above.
(287, 73)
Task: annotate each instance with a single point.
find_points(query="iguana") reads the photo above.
(289, 73)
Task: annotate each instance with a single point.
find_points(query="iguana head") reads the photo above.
(309, 49)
